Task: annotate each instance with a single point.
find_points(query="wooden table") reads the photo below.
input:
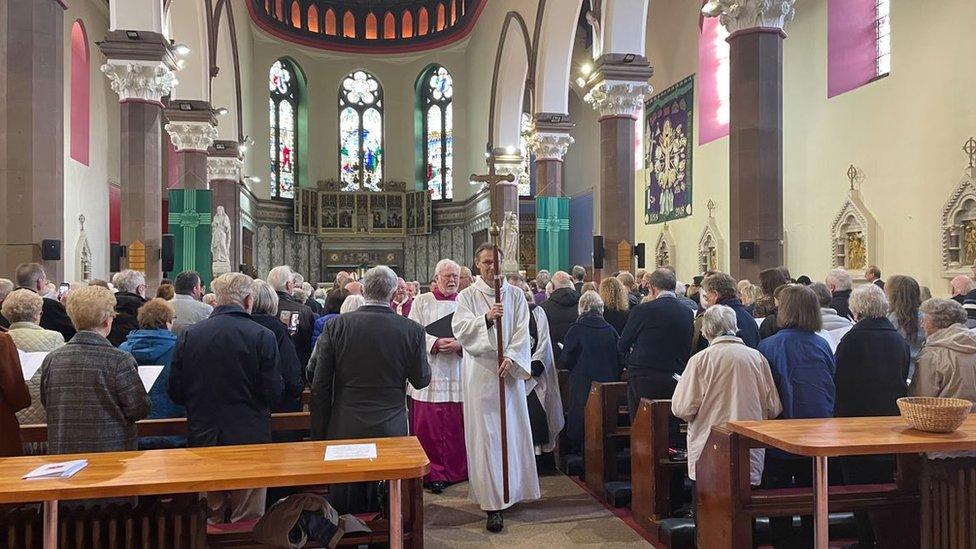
(855, 436)
(141, 473)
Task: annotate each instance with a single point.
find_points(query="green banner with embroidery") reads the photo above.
(552, 233)
(189, 223)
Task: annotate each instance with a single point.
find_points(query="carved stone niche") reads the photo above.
(959, 228)
(664, 249)
(853, 235)
(711, 245)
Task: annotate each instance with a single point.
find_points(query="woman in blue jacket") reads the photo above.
(152, 344)
(590, 354)
(803, 369)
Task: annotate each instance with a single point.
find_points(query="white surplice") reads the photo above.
(445, 368)
(546, 386)
(479, 372)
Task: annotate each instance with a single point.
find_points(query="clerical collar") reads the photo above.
(441, 297)
(370, 303)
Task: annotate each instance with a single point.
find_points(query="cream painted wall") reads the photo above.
(324, 72)
(86, 187)
(904, 131)
(581, 167)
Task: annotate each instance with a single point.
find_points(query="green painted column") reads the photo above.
(552, 233)
(189, 222)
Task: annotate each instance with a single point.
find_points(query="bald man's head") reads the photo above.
(962, 285)
(561, 279)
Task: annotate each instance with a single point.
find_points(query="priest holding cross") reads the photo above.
(492, 325)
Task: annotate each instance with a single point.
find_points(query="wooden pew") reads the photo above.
(727, 504)
(241, 537)
(606, 432)
(651, 466)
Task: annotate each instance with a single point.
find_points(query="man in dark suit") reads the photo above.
(721, 289)
(656, 342)
(53, 315)
(579, 276)
(295, 315)
(359, 371)
(562, 310)
(226, 372)
(873, 275)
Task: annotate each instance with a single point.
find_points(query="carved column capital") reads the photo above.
(224, 168)
(147, 81)
(191, 136)
(550, 146)
(618, 97)
(738, 15)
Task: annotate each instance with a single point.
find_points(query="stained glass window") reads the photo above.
(360, 132)
(437, 92)
(282, 107)
(525, 174)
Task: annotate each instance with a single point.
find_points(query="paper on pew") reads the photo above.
(30, 363)
(149, 374)
(338, 452)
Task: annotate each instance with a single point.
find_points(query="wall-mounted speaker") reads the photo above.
(598, 253)
(51, 250)
(166, 253)
(115, 261)
(639, 252)
(747, 250)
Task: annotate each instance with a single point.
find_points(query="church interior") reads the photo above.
(833, 140)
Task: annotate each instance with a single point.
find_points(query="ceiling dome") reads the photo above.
(367, 26)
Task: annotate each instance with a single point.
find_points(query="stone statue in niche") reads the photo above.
(662, 257)
(220, 242)
(510, 240)
(857, 257)
(712, 259)
(969, 240)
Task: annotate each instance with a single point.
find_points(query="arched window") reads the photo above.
(406, 25)
(389, 27)
(330, 22)
(313, 19)
(348, 25)
(296, 15)
(371, 26)
(436, 93)
(441, 18)
(423, 25)
(360, 132)
(79, 93)
(283, 110)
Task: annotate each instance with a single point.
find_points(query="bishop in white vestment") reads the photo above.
(474, 325)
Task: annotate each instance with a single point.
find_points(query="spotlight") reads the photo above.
(629, 58)
(510, 149)
(221, 111)
(586, 69)
(186, 107)
(133, 35)
(181, 49)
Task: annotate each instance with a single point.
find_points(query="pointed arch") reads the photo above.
(280, 10)
(554, 50)
(512, 70)
(296, 15)
(330, 22)
(371, 32)
(80, 93)
(348, 25)
(389, 26)
(435, 136)
(288, 123)
(441, 18)
(406, 25)
(423, 22)
(453, 12)
(313, 19)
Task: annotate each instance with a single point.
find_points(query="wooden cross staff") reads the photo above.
(493, 179)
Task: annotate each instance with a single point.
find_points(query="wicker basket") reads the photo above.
(934, 414)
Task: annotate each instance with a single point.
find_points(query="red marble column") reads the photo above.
(31, 132)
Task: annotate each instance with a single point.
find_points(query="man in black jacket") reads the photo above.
(226, 372)
(359, 371)
(721, 289)
(839, 283)
(562, 310)
(53, 315)
(656, 342)
(131, 286)
(295, 315)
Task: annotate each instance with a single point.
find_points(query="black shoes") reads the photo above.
(437, 487)
(495, 523)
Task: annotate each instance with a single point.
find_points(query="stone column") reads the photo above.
(141, 72)
(31, 132)
(755, 129)
(618, 91)
(224, 173)
(550, 141)
(505, 200)
(192, 128)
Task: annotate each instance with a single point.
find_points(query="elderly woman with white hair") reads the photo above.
(727, 381)
(947, 362)
(23, 309)
(590, 354)
(131, 295)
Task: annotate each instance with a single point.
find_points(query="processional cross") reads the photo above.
(492, 179)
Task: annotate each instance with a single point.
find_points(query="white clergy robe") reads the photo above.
(479, 372)
(445, 368)
(546, 386)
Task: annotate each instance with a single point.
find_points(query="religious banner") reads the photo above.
(552, 233)
(668, 132)
(189, 223)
